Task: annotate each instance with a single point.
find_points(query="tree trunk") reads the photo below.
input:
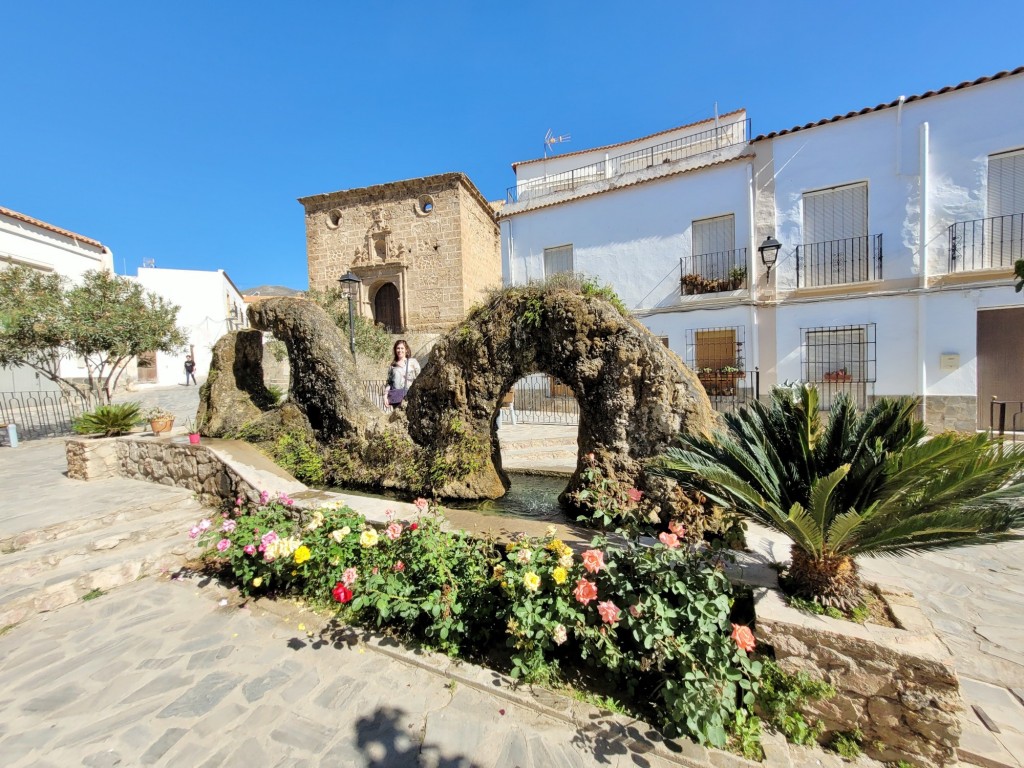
(830, 580)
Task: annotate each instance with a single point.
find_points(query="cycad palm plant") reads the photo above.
(861, 484)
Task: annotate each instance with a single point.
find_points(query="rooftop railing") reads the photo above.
(691, 145)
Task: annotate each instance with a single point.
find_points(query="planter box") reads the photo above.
(898, 686)
(158, 426)
(720, 384)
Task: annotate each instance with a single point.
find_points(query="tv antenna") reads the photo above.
(550, 140)
(149, 263)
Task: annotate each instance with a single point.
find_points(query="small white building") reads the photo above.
(210, 306)
(31, 242)
(899, 226)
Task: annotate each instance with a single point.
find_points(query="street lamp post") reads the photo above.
(350, 285)
(769, 251)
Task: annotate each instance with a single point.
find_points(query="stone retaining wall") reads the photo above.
(897, 686)
(159, 460)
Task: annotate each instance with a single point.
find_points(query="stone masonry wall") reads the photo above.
(410, 234)
(956, 412)
(897, 686)
(481, 250)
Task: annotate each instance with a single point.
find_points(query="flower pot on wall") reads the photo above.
(158, 426)
(194, 438)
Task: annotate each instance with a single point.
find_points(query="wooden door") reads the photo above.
(386, 308)
(146, 367)
(1000, 360)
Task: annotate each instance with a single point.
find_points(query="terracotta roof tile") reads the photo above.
(50, 227)
(879, 107)
(624, 143)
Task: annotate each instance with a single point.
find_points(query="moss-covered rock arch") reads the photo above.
(635, 396)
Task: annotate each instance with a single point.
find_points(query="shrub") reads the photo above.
(300, 455)
(109, 420)
(860, 484)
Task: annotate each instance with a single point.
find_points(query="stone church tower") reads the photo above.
(425, 249)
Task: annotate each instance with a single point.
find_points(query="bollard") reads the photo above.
(12, 434)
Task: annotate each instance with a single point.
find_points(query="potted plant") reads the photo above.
(838, 376)
(160, 419)
(737, 275)
(193, 431)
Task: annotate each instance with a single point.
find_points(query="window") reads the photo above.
(1005, 208)
(837, 247)
(716, 356)
(713, 247)
(558, 260)
(840, 359)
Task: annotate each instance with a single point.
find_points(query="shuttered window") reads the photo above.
(716, 349)
(557, 260)
(1006, 184)
(836, 214)
(714, 235)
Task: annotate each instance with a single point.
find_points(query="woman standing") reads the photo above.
(401, 374)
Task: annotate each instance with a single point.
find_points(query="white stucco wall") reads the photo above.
(884, 149)
(631, 238)
(26, 244)
(205, 300)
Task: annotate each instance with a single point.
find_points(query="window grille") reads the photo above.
(557, 260)
(716, 355)
(840, 359)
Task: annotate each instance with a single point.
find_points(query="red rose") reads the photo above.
(413, 526)
(341, 593)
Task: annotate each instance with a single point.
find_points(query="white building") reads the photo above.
(899, 226)
(210, 306)
(30, 242)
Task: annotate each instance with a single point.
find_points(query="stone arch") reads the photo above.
(635, 396)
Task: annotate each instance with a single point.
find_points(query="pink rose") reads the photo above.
(393, 531)
(677, 528)
(585, 591)
(229, 526)
(593, 560)
(348, 578)
(223, 544)
(249, 549)
(193, 532)
(264, 497)
(421, 504)
(268, 538)
(670, 540)
(204, 525)
(743, 637)
(635, 611)
(609, 612)
(634, 495)
(399, 566)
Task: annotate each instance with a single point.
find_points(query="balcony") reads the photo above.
(692, 145)
(839, 262)
(713, 272)
(994, 243)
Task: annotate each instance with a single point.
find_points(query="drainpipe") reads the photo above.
(899, 135)
(923, 284)
(754, 357)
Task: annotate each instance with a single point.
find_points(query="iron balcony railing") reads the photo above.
(713, 272)
(692, 145)
(986, 243)
(836, 262)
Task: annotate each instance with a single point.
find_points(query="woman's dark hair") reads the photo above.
(394, 350)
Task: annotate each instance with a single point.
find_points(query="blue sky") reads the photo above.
(184, 132)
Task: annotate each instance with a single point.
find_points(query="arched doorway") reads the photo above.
(386, 309)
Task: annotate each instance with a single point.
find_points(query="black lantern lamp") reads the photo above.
(350, 287)
(769, 251)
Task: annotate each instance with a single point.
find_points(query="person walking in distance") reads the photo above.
(190, 370)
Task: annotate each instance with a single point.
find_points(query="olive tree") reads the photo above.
(106, 321)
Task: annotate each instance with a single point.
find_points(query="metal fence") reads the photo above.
(692, 145)
(836, 262)
(42, 414)
(986, 243)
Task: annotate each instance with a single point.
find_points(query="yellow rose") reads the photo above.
(257, 581)
(559, 575)
(302, 554)
(368, 538)
(531, 581)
